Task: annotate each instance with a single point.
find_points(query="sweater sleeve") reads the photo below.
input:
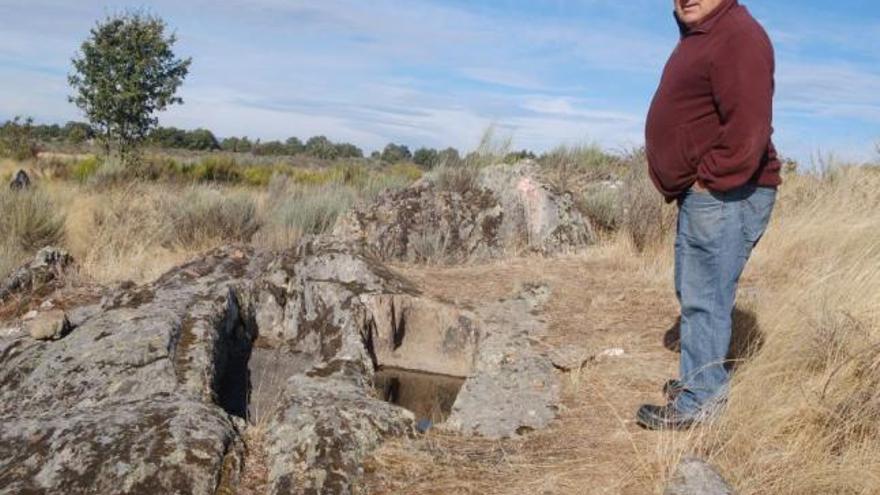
(742, 86)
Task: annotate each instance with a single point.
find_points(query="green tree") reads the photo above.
(294, 146)
(270, 148)
(17, 139)
(124, 74)
(242, 144)
(77, 132)
(201, 140)
(449, 157)
(348, 150)
(394, 153)
(321, 147)
(425, 157)
(168, 137)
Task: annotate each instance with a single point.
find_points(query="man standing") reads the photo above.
(709, 149)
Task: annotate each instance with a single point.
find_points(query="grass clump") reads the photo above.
(203, 215)
(294, 210)
(646, 221)
(30, 220)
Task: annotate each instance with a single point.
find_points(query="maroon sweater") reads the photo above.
(711, 117)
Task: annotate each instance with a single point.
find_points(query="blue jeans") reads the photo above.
(716, 234)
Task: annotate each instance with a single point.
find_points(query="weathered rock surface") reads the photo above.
(20, 181)
(696, 477)
(536, 216)
(128, 402)
(324, 427)
(510, 209)
(145, 391)
(514, 388)
(47, 265)
(423, 223)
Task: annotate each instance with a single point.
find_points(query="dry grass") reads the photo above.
(804, 407)
(804, 410)
(803, 414)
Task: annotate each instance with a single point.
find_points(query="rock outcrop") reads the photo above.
(514, 388)
(48, 264)
(508, 209)
(20, 181)
(150, 389)
(129, 401)
(537, 217)
(694, 476)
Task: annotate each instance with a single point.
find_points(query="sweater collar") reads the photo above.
(709, 22)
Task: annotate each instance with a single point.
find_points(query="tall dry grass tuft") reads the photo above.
(204, 216)
(292, 210)
(804, 412)
(29, 220)
(646, 220)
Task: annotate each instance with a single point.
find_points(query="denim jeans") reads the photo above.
(716, 234)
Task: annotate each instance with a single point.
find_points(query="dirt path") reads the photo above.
(594, 447)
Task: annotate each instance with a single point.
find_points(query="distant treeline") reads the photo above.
(76, 133)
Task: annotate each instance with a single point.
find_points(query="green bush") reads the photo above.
(258, 175)
(217, 169)
(30, 220)
(17, 139)
(84, 169)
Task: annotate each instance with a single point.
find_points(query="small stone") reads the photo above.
(696, 477)
(51, 325)
(30, 315)
(47, 304)
(613, 352)
(569, 358)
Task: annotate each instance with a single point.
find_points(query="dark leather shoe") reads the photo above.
(665, 417)
(672, 388)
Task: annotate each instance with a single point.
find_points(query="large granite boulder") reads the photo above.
(131, 399)
(536, 216)
(507, 209)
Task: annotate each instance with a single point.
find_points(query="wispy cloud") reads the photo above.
(431, 72)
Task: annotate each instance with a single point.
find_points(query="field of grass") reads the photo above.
(804, 409)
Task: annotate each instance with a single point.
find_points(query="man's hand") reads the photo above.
(699, 187)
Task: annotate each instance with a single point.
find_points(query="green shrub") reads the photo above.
(30, 220)
(258, 175)
(17, 139)
(85, 168)
(217, 169)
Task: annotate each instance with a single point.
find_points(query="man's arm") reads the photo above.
(742, 84)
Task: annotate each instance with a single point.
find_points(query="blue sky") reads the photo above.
(437, 73)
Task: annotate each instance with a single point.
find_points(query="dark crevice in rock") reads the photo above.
(399, 321)
(238, 331)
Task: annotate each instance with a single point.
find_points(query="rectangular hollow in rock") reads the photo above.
(419, 334)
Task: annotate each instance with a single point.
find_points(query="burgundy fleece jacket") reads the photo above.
(711, 117)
